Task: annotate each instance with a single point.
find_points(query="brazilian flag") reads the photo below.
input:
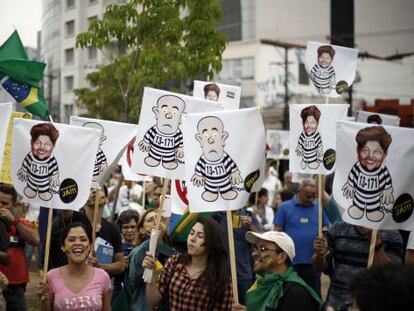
(184, 225)
(21, 77)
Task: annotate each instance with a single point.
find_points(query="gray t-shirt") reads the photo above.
(349, 252)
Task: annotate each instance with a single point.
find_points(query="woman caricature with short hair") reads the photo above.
(322, 73)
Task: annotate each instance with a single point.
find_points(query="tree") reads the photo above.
(149, 43)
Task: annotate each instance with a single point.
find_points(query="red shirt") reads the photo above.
(17, 271)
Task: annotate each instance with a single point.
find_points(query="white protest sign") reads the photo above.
(378, 118)
(159, 149)
(179, 201)
(114, 137)
(229, 95)
(225, 154)
(312, 137)
(5, 112)
(330, 67)
(374, 176)
(52, 164)
(278, 141)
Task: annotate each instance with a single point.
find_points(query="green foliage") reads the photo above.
(149, 43)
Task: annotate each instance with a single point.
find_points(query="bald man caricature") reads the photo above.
(164, 141)
(101, 162)
(215, 170)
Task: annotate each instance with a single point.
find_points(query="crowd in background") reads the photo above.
(279, 255)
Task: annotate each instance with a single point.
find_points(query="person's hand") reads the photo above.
(197, 181)
(387, 197)
(320, 245)
(92, 261)
(246, 221)
(4, 281)
(348, 191)
(148, 262)
(238, 307)
(5, 213)
(54, 181)
(43, 291)
(180, 152)
(22, 174)
(144, 146)
(235, 178)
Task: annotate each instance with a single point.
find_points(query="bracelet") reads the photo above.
(327, 252)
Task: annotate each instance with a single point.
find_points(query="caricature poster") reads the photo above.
(229, 95)
(331, 68)
(159, 145)
(5, 112)
(278, 141)
(225, 154)
(52, 163)
(372, 183)
(312, 137)
(378, 118)
(114, 137)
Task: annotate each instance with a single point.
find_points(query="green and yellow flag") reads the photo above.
(21, 77)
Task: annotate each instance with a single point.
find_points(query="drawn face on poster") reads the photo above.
(43, 170)
(220, 175)
(161, 148)
(331, 68)
(229, 95)
(114, 136)
(313, 137)
(376, 185)
(378, 118)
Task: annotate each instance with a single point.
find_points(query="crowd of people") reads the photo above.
(279, 255)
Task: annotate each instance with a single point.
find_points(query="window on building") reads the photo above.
(237, 69)
(247, 102)
(70, 4)
(92, 18)
(93, 2)
(69, 56)
(69, 81)
(70, 28)
(303, 75)
(68, 111)
(92, 53)
(238, 20)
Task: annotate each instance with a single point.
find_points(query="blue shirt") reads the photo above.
(301, 224)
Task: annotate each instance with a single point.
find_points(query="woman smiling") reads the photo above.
(76, 286)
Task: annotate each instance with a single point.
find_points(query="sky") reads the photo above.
(23, 15)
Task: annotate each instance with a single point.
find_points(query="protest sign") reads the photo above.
(229, 95)
(378, 118)
(278, 141)
(5, 113)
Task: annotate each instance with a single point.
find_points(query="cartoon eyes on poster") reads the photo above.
(222, 166)
(312, 137)
(159, 149)
(331, 68)
(372, 183)
(43, 167)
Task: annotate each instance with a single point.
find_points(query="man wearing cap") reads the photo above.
(278, 287)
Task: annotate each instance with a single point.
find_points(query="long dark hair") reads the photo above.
(217, 273)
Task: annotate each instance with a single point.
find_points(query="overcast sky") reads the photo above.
(23, 15)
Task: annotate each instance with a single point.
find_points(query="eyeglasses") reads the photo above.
(263, 249)
(126, 227)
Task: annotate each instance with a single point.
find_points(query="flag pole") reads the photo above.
(162, 200)
(232, 256)
(47, 246)
(95, 218)
(320, 193)
(143, 194)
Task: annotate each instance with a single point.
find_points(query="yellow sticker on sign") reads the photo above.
(5, 175)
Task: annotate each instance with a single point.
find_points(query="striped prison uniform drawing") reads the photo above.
(163, 146)
(310, 145)
(368, 186)
(99, 161)
(40, 172)
(216, 174)
(323, 78)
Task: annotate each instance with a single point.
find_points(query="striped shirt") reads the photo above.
(323, 78)
(349, 255)
(368, 185)
(310, 145)
(99, 161)
(216, 174)
(163, 146)
(40, 172)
